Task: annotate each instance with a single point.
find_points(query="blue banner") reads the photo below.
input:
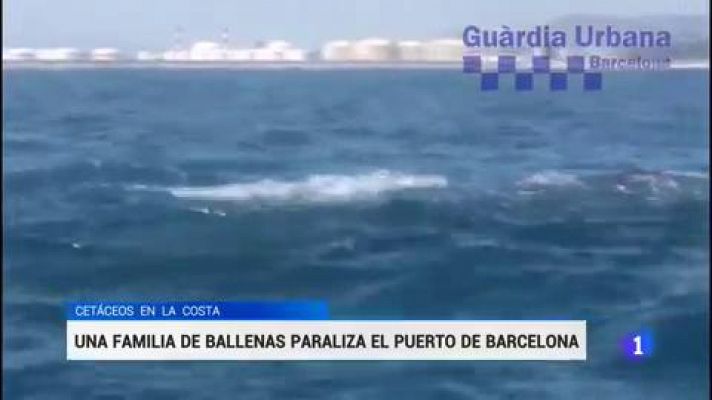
(197, 310)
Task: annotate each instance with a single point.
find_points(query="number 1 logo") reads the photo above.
(638, 346)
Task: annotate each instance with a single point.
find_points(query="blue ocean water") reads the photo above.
(389, 194)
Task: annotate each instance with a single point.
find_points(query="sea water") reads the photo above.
(388, 194)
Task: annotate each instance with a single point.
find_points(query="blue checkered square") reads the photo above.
(506, 64)
(471, 64)
(524, 81)
(575, 64)
(489, 81)
(592, 81)
(541, 64)
(558, 81)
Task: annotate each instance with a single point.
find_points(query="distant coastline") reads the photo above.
(280, 65)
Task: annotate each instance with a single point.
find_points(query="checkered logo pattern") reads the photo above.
(524, 79)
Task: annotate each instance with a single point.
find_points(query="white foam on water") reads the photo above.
(665, 183)
(315, 188)
(550, 179)
(139, 186)
(688, 174)
(208, 211)
(655, 183)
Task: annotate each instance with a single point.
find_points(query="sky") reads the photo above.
(151, 24)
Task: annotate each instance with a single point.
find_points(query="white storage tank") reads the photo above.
(337, 50)
(278, 46)
(18, 54)
(104, 54)
(264, 54)
(238, 55)
(410, 50)
(144, 55)
(176, 55)
(278, 50)
(444, 50)
(206, 51)
(374, 49)
(294, 55)
(57, 54)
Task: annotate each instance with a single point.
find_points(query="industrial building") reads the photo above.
(369, 50)
(410, 50)
(336, 50)
(147, 56)
(57, 54)
(278, 50)
(104, 54)
(384, 50)
(443, 50)
(373, 50)
(18, 54)
(206, 51)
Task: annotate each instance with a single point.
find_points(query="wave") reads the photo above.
(315, 188)
(688, 174)
(647, 183)
(208, 211)
(549, 178)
